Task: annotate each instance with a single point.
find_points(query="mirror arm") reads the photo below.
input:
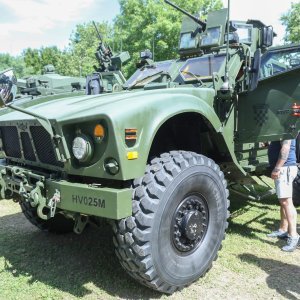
(42, 120)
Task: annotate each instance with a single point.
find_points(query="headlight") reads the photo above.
(82, 148)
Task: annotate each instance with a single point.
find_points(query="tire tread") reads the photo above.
(159, 173)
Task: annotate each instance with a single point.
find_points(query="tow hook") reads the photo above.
(80, 223)
(37, 199)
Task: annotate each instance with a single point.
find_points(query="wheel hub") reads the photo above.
(190, 223)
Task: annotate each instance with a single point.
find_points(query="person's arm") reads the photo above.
(283, 155)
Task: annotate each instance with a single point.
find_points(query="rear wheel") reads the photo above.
(58, 224)
(178, 223)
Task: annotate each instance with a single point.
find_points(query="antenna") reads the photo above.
(225, 86)
(98, 33)
(153, 47)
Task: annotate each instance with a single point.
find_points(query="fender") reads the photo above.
(148, 114)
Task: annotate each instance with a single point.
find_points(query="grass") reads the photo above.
(38, 265)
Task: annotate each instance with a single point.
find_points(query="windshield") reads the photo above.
(201, 67)
(278, 61)
(148, 72)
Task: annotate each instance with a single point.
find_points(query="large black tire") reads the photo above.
(296, 190)
(59, 224)
(180, 211)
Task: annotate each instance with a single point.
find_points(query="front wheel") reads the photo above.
(178, 222)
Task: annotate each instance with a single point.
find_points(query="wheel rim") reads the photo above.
(190, 223)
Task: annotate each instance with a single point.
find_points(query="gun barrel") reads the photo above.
(98, 33)
(202, 24)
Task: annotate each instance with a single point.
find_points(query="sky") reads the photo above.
(37, 23)
(267, 11)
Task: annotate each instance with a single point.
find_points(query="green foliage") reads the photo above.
(141, 24)
(154, 25)
(83, 44)
(17, 63)
(292, 22)
(38, 58)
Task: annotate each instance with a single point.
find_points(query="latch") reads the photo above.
(53, 203)
(2, 184)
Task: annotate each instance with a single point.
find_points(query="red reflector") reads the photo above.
(296, 110)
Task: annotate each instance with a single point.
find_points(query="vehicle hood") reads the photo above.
(63, 109)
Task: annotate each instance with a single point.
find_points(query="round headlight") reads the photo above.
(82, 148)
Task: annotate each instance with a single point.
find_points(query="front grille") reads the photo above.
(44, 146)
(37, 145)
(11, 142)
(27, 146)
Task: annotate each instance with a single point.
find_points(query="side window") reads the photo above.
(278, 61)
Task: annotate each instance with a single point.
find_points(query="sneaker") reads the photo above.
(291, 245)
(278, 234)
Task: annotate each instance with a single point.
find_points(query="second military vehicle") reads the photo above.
(50, 83)
(107, 77)
(159, 157)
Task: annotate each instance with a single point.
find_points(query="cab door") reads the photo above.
(266, 113)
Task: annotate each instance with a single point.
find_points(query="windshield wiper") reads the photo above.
(144, 78)
(194, 75)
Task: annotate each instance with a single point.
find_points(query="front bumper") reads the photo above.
(92, 200)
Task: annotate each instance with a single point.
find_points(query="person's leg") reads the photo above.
(283, 220)
(290, 216)
(282, 231)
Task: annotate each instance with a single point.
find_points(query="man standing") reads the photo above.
(282, 159)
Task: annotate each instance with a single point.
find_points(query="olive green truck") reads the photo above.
(158, 157)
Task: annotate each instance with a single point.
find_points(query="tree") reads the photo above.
(292, 22)
(83, 45)
(77, 59)
(154, 25)
(17, 63)
(50, 55)
(32, 59)
(141, 24)
(38, 58)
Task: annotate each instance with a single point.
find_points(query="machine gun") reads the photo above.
(108, 76)
(107, 60)
(103, 54)
(195, 19)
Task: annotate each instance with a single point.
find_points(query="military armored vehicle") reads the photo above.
(107, 77)
(159, 157)
(50, 83)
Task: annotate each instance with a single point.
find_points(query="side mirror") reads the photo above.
(8, 87)
(267, 35)
(254, 72)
